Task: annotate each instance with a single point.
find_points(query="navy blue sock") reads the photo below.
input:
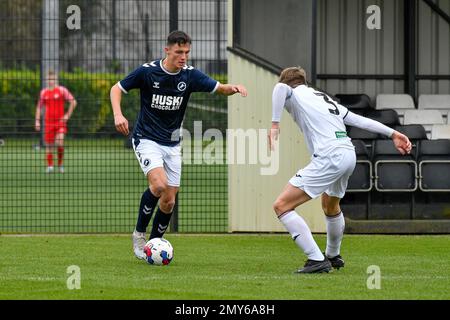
(148, 204)
(160, 224)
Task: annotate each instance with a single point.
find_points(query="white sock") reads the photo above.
(301, 234)
(335, 233)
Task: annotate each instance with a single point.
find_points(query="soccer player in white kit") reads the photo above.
(322, 121)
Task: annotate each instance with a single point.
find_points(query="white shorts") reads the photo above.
(152, 155)
(329, 174)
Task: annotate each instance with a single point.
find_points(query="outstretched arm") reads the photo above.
(230, 89)
(401, 141)
(358, 121)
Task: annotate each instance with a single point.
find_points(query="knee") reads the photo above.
(59, 142)
(167, 204)
(331, 211)
(278, 207)
(158, 189)
(325, 208)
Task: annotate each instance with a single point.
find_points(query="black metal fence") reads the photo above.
(91, 45)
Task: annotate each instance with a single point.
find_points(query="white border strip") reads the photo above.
(121, 88)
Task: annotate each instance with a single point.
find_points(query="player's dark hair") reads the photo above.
(178, 37)
(293, 76)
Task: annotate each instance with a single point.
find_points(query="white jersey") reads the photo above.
(320, 118)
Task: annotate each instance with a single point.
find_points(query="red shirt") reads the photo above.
(53, 100)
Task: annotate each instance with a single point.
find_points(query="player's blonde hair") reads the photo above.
(52, 73)
(293, 76)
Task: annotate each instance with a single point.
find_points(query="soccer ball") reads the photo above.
(158, 251)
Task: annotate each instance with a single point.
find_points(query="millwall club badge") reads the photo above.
(181, 86)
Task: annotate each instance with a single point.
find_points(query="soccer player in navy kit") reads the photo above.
(165, 87)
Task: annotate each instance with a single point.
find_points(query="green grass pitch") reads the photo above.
(100, 190)
(221, 267)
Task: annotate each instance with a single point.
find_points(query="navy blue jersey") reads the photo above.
(164, 97)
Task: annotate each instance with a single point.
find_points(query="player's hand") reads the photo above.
(239, 89)
(121, 124)
(401, 142)
(273, 136)
(37, 125)
(65, 118)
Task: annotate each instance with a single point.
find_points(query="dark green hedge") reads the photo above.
(19, 93)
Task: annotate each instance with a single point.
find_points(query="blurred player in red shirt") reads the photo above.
(52, 99)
